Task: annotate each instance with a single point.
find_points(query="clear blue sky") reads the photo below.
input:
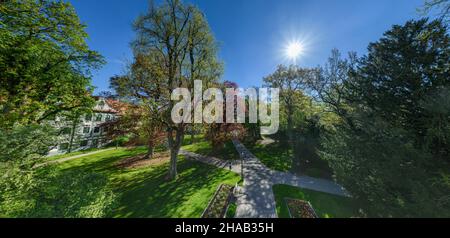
(252, 33)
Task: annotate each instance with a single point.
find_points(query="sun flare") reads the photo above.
(294, 50)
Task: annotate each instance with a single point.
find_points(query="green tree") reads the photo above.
(388, 148)
(45, 67)
(45, 62)
(72, 194)
(407, 64)
(177, 38)
(443, 7)
(291, 81)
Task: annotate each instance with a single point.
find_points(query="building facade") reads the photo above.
(87, 131)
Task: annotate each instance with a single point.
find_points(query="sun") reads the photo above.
(294, 50)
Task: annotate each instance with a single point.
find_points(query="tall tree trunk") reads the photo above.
(192, 135)
(174, 145)
(150, 150)
(173, 163)
(72, 134)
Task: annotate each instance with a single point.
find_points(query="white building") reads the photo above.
(88, 131)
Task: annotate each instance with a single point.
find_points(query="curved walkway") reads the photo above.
(257, 199)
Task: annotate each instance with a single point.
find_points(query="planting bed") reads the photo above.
(300, 209)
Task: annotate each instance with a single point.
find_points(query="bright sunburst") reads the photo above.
(294, 50)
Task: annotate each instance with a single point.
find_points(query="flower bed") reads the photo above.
(300, 209)
(218, 205)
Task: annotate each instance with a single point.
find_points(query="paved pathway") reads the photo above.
(71, 158)
(257, 199)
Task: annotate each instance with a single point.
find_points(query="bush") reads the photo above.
(381, 167)
(27, 192)
(52, 195)
(25, 144)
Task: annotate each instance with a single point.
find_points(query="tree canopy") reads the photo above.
(45, 63)
(174, 47)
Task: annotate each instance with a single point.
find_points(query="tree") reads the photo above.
(290, 80)
(443, 5)
(437, 108)
(45, 63)
(45, 67)
(73, 117)
(328, 85)
(408, 63)
(177, 39)
(138, 122)
(220, 133)
(26, 192)
(388, 148)
(72, 194)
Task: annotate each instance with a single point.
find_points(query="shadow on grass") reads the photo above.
(203, 147)
(144, 191)
(278, 156)
(273, 156)
(148, 194)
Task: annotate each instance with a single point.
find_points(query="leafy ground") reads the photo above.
(325, 205)
(203, 147)
(279, 157)
(143, 189)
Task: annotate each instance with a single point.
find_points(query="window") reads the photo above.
(95, 143)
(66, 131)
(99, 117)
(101, 103)
(88, 117)
(86, 130)
(84, 143)
(108, 118)
(64, 146)
(97, 130)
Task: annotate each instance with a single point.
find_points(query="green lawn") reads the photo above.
(144, 192)
(197, 138)
(280, 158)
(62, 156)
(325, 205)
(272, 156)
(203, 147)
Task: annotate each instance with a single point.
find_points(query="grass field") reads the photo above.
(325, 205)
(203, 147)
(280, 158)
(143, 189)
(62, 156)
